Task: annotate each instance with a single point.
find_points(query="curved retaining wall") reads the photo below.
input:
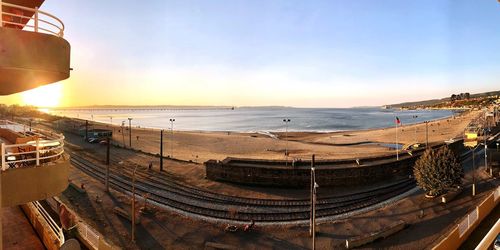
(328, 173)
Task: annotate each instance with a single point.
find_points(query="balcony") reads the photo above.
(33, 51)
(33, 164)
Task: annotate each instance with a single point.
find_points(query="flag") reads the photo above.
(397, 120)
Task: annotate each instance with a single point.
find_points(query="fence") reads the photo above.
(32, 152)
(460, 232)
(31, 19)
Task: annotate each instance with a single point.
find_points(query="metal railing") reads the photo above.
(30, 19)
(58, 231)
(88, 234)
(46, 147)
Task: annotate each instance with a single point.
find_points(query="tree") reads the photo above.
(453, 97)
(438, 170)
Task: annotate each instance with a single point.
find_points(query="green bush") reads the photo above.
(438, 170)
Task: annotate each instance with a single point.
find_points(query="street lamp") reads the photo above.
(426, 134)
(130, 132)
(111, 123)
(497, 146)
(172, 120)
(415, 120)
(123, 133)
(473, 172)
(286, 121)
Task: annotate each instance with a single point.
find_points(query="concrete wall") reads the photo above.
(42, 227)
(328, 173)
(29, 60)
(25, 184)
(460, 232)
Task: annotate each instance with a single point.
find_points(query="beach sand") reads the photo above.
(200, 146)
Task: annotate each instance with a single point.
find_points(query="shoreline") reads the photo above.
(201, 146)
(275, 132)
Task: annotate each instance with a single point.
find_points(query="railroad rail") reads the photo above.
(165, 191)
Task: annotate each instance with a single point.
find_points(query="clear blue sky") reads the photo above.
(295, 53)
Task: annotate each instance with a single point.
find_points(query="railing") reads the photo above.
(58, 231)
(31, 153)
(88, 234)
(41, 22)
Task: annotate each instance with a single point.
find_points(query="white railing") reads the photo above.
(58, 231)
(88, 234)
(12, 15)
(47, 147)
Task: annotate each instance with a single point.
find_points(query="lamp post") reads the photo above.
(172, 120)
(286, 121)
(426, 134)
(497, 146)
(161, 150)
(130, 132)
(415, 120)
(473, 172)
(123, 133)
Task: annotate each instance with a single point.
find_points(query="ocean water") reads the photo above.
(257, 119)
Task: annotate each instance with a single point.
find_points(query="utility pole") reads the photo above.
(107, 163)
(161, 150)
(133, 204)
(314, 187)
(130, 132)
(311, 195)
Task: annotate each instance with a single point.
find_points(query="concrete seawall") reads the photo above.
(328, 172)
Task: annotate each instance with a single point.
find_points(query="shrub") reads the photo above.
(438, 170)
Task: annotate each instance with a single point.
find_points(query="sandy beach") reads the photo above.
(200, 146)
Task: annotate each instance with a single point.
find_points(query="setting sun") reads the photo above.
(44, 96)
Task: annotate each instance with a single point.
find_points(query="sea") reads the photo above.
(255, 119)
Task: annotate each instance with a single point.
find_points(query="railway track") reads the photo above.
(163, 190)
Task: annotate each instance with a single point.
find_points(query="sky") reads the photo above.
(289, 53)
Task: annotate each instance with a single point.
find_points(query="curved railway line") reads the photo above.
(168, 192)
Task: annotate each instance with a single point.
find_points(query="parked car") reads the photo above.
(93, 140)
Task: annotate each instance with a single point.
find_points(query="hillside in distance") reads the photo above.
(445, 99)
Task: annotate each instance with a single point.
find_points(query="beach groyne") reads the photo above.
(349, 172)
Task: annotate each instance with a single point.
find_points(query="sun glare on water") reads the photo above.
(44, 96)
